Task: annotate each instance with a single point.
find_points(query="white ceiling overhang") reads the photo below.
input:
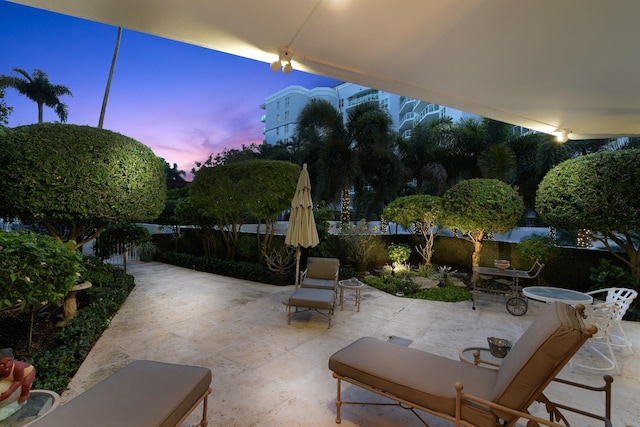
(548, 65)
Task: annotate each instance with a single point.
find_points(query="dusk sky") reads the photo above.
(183, 101)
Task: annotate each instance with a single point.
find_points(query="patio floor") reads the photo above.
(268, 373)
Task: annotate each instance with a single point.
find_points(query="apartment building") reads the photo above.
(283, 107)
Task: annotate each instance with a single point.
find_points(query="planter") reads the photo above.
(282, 278)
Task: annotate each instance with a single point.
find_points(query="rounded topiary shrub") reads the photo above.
(73, 179)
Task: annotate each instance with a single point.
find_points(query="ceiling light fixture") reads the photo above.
(563, 136)
(284, 55)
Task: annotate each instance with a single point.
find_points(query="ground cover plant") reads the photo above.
(58, 352)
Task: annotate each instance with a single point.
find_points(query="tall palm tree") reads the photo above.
(116, 49)
(327, 151)
(39, 89)
(369, 127)
(419, 152)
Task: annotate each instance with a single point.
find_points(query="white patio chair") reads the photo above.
(624, 297)
(602, 316)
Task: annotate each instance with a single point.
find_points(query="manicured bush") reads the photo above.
(74, 180)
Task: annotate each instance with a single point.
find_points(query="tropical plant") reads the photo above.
(607, 275)
(420, 151)
(597, 192)
(36, 269)
(399, 253)
(498, 161)
(476, 208)
(419, 214)
(75, 180)
(328, 152)
(370, 131)
(40, 90)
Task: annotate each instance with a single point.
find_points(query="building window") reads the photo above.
(286, 115)
(286, 129)
(278, 118)
(286, 102)
(277, 131)
(278, 104)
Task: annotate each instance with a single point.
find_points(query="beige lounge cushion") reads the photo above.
(553, 337)
(312, 298)
(419, 377)
(322, 268)
(144, 393)
(318, 283)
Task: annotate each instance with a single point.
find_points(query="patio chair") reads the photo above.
(469, 394)
(317, 291)
(321, 273)
(624, 297)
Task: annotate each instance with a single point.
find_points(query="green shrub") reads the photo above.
(447, 293)
(98, 304)
(239, 270)
(399, 253)
(35, 269)
(607, 275)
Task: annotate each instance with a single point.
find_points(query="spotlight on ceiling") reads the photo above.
(284, 56)
(563, 136)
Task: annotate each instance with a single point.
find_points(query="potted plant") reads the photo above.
(280, 262)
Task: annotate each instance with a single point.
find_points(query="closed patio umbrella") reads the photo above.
(302, 230)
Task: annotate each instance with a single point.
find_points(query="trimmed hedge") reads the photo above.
(240, 270)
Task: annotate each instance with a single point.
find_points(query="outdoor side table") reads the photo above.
(40, 403)
(467, 356)
(353, 284)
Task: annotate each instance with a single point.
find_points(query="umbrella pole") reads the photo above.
(297, 266)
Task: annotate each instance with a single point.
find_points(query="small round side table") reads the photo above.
(353, 284)
(467, 356)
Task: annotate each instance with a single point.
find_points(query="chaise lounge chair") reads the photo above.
(471, 394)
(317, 289)
(144, 393)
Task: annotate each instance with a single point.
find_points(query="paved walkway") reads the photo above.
(268, 373)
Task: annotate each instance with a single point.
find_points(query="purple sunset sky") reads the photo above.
(183, 101)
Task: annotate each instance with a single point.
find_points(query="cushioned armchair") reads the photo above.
(470, 394)
(321, 273)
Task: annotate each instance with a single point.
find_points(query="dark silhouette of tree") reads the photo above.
(40, 90)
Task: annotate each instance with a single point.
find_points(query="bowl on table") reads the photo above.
(499, 347)
(501, 264)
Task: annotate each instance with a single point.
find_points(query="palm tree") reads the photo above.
(327, 151)
(419, 153)
(369, 127)
(498, 161)
(39, 89)
(116, 48)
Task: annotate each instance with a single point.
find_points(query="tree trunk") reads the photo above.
(111, 70)
(475, 258)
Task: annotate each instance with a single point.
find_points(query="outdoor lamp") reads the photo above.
(284, 55)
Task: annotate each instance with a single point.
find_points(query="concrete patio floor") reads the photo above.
(268, 373)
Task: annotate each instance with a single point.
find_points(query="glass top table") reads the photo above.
(550, 294)
(40, 403)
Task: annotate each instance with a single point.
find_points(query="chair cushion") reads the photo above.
(312, 298)
(144, 393)
(318, 283)
(419, 377)
(555, 334)
(322, 268)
